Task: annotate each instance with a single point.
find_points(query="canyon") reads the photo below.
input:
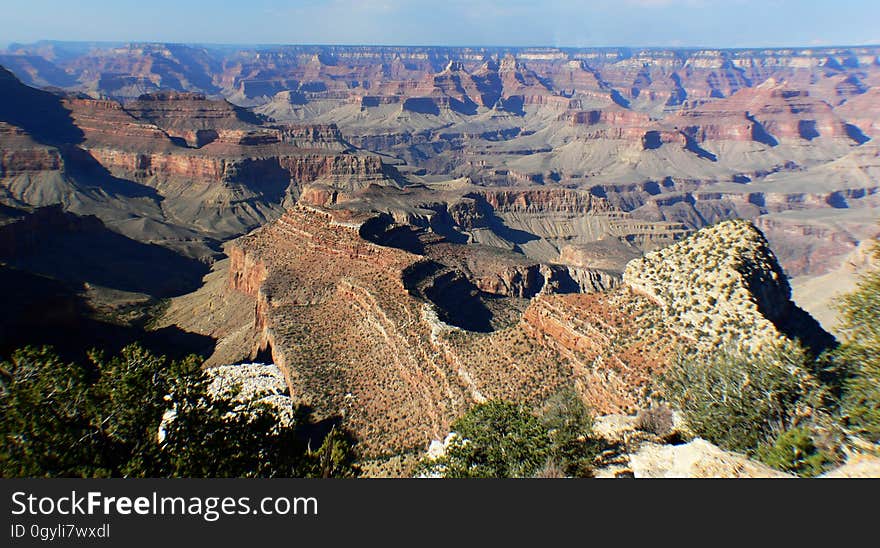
(406, 231)
(680, 135)
(391, 340)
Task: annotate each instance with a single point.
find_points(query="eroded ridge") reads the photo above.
(358, 339)
(355, 342)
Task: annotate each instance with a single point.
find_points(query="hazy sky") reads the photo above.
(719, 23)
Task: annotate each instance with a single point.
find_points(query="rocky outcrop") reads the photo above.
(696, 459)
(806, 247)
(19, 162)
(244, 386)
(252, 383)
(507, 275)
(542, 221)
(857, 466)
(190, 117)
(543, 201)
(634, 453)
(617, 123)
(105, 122)
(198, 121)
(863, 111)
(130, 143)
(723, 286)
(608, 254)
(766, 113)
(312, 276)
(246, 273)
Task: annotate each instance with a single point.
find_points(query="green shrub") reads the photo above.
(499, 439)
(570, 427)
(101, 419)
(794, 451)
(47, 418)
(737, 400)
(861, 401)
(496, 439)
(859, 357)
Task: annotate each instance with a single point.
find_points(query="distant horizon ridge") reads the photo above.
(6, 46)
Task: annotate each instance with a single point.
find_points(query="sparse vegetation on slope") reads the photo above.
(723, 286)
(752, 388)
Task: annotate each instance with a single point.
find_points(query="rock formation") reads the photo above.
(170, 167)
(401, 340)
(697, 459)
(723, 286)
(250, 383)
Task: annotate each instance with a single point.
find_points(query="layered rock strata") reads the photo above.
(353, 327)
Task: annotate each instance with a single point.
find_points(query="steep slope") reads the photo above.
(340, 322)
